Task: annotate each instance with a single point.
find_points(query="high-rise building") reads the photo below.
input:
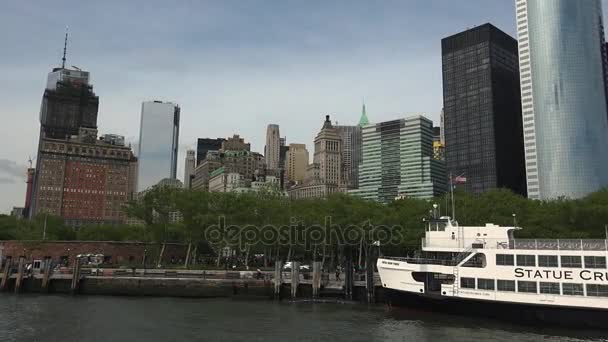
(158, 143)
(68, 103)
(83, 181)
(442, 127)
(398, 161)
(563, 97)
(272, 150)
(351, 154)
(483, 125)
(31, 175)
(206, 144)
(324, 175)
(189, 168)
(296, 163)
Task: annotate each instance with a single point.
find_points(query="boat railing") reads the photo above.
(423, 261)
(560, 244)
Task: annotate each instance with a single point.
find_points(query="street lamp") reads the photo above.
(514, 220)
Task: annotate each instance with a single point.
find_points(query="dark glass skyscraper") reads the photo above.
(204, 145)
(68, 103)
(483, 123)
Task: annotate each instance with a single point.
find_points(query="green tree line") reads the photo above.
(201, 212)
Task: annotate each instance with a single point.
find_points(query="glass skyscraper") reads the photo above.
(563, 97)
(398, 161)
(158, 143)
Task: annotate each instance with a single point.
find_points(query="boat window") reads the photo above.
(527, 286)
(595, 262)
(505, 285)
(547, 261)
(549, 288)
(504, 260)
(569, 289)
(485, 284)
(467, 283)
(571, 261)
(526, 260)
(597, 290)
(478, 260)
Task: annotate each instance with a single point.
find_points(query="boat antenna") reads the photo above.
(65, 47)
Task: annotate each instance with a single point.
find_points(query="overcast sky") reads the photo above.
(232, 65)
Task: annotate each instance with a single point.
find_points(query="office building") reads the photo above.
(351, 154)
(324, 175)
(272, 151)
(482, 112)
(207, 144)
(398, 161)
(158, 143)
(296, 162)
(189, 167)
(563, 97)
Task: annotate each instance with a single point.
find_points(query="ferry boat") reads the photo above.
(486, 271)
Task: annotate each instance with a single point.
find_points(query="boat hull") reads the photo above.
(528, 314)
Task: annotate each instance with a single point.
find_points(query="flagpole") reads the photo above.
(452, 191)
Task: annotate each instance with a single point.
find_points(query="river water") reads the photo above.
(96, 318)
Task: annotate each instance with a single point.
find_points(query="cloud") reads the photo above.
(11, 172)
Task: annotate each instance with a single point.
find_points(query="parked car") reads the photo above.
(287, 267)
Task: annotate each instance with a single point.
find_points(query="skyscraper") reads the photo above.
(563, 97)
(296, 163)
(205, 145)
(482, 112)
(158, 142)
(273, 147)
(398, 161)
(189, 168)
(351, 153)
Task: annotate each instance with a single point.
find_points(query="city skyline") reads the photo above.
(268, 79)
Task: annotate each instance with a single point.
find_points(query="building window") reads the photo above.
(595, 262)
(569, 289)
(485, 284)
(597, 290)
(504, 260)
(549, 288)
(505, 285)
(571, 261)
(526, 260)
(467, 283)
(547, 260)
(526, 286)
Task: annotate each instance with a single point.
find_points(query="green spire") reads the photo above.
(363, 120)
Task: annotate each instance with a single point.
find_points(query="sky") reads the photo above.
(233, 66)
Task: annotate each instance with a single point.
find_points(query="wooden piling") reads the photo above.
(6, 273)
(316, 279)
(278, 279)
(295, 279)
(370, 288)
(75, 276)
(348, 276)
(46, 276)
(20, 272)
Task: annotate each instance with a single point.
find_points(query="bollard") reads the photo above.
(20, 272)
(316, 279)
(295, 279)
(277, 279)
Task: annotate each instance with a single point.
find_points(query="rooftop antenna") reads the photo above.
(65, 46)
(30, 161)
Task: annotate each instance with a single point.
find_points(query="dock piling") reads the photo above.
(75, 276)
(295, 279)
(348, 277)
(316, 279)
(370, 288)
(47, 274)
(20, 271)
(277, 279)
(6, 273)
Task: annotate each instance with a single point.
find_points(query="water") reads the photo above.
(91, 318)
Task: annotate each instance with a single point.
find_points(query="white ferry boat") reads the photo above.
(486, 271)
